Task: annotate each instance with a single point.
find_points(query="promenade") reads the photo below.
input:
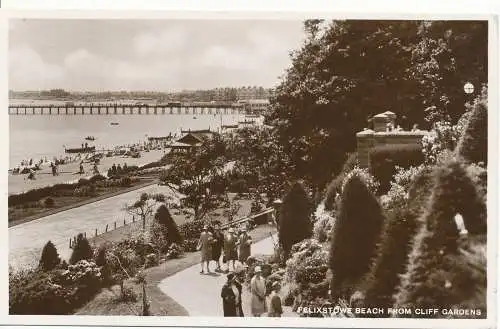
(26, 240)
(19, 183)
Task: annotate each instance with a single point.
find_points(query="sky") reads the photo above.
(156, 55)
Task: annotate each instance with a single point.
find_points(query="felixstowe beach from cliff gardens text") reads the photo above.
(248, 168)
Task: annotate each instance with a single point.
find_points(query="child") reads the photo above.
(275, 309)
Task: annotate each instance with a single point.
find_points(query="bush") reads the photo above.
(164, 229)
(151, 260)
(384, 159)
(323, 224)
(96, 178)
(85, 191)
(335, 186)
(189, 245)
(125, 181)
(307, 267)
(50, 258)
(35, 293)
(81, 251)
(473, 145)
(174, 251)
(191, 230)
(36, 195)
(49, 203)
(238, 186)
(294, 222)
(355, 235)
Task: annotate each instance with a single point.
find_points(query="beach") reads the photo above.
(19, 183)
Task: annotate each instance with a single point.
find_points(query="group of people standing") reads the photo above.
(214, 244)
(233, 247)
(231, 295)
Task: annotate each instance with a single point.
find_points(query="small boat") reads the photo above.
(88, 149)
(114, 123)
(194, 118)
(90, 138)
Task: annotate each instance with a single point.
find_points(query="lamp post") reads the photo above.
(468, 88)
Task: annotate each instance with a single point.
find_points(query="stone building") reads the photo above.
(384, 132)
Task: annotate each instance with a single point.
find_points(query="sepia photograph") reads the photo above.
(296, 168)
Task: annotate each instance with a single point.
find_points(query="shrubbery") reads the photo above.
(306, 269)
(323, 224)
(355, 235)
(81, 250)
(335, 185)
(439, 262)
(192, 229)
(50, 258)
(473, 145)
(384, 159)
(164, 230)
(294, 222)
(54, 292)
(49, 203)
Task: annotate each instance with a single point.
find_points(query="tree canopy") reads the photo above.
(347, 71)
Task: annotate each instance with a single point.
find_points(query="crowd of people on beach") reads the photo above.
(235, 248)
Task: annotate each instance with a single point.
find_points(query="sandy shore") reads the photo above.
(19, 183)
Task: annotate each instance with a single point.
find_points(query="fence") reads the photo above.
(247, 218)
(109, 228)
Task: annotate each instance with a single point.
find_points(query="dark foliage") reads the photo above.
(350, 70)
(191, 230)
(34, 293)
(473, 146)
(335, 185)
(384, 159)
(167, 226)
(294, 222)
(50, 258)
(49, 202)
(454, 192)
(397, 236)
(81, 250)
(354, 237)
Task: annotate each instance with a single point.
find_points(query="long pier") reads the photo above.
(122, 109)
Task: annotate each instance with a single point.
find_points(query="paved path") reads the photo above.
(199, 293)
(27, 240)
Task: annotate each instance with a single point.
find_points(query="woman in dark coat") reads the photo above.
(217, 247)
(231, 297)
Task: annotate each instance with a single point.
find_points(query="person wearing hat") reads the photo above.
(275, 309)
(205, 245)
(258, 290)
(230, 252)
(244, 243)
(231, 296)
(218, 244)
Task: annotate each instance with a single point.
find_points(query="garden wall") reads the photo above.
(368, 139)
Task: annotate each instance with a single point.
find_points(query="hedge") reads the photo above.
(384, 159)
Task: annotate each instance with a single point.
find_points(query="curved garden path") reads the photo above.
(199, 293)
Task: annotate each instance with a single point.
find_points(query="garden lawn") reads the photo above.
(160, 304)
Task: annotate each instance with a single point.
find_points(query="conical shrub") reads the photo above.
(82, 250)
(50, 258)
(354, 236)
(294, 223)
(473, 145)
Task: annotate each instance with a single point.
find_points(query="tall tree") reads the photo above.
(347, 71)
(193, 174)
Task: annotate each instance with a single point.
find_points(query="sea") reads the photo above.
(39, 136)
